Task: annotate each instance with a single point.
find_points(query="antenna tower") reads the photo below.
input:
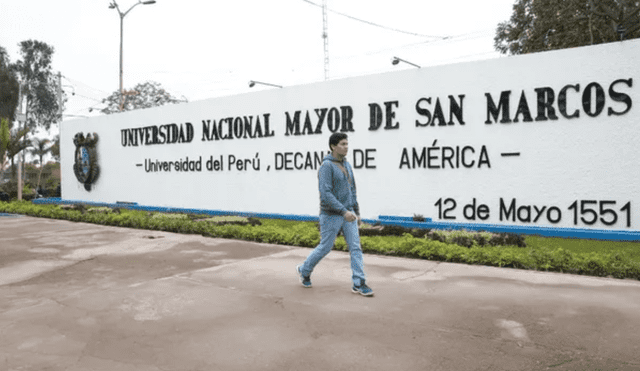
(325, 36)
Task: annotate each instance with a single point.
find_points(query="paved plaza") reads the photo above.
(76, 297)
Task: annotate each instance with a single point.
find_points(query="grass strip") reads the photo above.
(586, 257)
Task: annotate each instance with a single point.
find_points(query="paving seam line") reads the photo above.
(433, 269)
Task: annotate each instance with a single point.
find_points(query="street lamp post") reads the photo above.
(253, 83)
(396, 60)
(115, 6)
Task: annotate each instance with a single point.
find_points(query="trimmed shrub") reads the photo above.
(497, 240)
(453, 246)
(169, 216)
(393, 230)
(370, 230)
(100, 210)
(439, 236)
(420, 232)
(480, 239)
(465, 241)
(513, 239)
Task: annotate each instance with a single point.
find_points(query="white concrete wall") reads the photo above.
(560, 161)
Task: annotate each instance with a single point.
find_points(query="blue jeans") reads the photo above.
(330, 225)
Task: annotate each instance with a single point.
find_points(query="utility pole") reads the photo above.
(59, 91)
(21, 118)
(325, 36)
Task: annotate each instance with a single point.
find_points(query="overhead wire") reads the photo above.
(302, 65)
(87, 88)
(376, 24)
(77, 82)
(436, 39)
(450, 40)
(450, 59)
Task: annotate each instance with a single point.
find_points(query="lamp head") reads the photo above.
(252, 83)
(149, 2)
(395, 61)
(111, 6)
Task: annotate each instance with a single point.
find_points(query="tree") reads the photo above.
(144, 95)
(4, 56)
(9, 88)
(541, 25)
(16, 145)
(55, 148)
(39, 85)
(40, 148)
(5, 137)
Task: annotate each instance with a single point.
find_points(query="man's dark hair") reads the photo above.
(335, 138)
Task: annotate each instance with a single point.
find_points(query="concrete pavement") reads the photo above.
(77, 296)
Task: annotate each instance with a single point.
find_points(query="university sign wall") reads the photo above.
(546, 140)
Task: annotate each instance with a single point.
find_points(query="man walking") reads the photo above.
(338, 210)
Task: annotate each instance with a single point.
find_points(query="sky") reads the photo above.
(201, 49)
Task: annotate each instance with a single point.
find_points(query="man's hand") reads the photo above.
(349, 216)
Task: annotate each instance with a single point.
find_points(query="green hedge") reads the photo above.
(613, 263)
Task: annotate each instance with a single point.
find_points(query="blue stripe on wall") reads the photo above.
(407, 222)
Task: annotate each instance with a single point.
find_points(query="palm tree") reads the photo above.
(55, 148)
(40, 148)
(16, 144)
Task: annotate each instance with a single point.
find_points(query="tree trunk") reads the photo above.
(39, 176)
(590, 29)
(40, 173)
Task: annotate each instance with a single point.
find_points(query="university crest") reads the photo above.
(86, 166)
